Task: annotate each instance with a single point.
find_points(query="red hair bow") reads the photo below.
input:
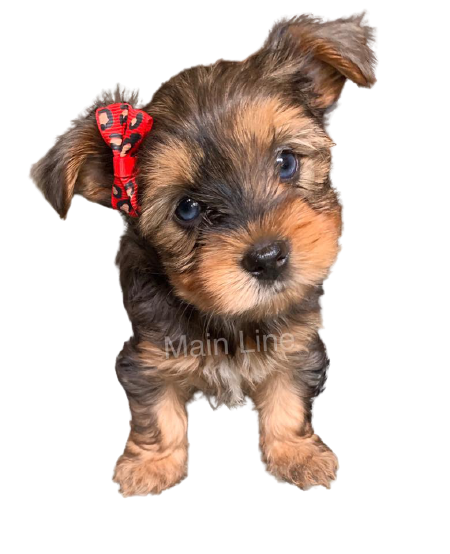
(123, 129)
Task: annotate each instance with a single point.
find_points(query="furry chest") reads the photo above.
(229, 378)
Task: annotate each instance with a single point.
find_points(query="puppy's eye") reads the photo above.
(287, 163)
(188, 210)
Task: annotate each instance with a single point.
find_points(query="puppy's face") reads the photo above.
(234, 176)
(237, 195)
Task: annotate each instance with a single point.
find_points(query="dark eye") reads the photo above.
(188, 210)
(287, 164)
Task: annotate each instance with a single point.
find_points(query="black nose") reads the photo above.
(267, 260)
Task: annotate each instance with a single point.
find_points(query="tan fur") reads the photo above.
(151, 469)
(144, 474)
(230, 377)
(266, 118)
(171, 169)
(172, 421)
(330, 52)
(173, 165)
(157, 359)
(290, 449)
(219, 283)
(83, 147)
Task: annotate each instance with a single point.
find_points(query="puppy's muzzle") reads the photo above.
(267, 260)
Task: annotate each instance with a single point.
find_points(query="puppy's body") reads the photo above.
(282, 381)
(230, 356)
(238, 229)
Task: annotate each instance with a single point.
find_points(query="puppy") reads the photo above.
(232, 225)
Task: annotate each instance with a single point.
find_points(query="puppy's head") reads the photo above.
(234, 177)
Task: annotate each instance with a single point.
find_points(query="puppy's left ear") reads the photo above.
(78, 161)
(325, 53)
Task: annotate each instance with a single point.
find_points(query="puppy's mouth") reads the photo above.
(266, 289)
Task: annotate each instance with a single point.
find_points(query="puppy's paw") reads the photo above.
(141, 474)
(319, 468)
(305, 462)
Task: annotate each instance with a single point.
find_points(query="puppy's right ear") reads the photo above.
(79, 163)
(323, 53)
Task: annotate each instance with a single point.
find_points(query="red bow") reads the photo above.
(123, 129)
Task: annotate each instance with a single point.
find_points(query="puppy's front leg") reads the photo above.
(155, 456)
(290, 448)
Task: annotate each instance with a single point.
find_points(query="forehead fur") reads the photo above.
(271, 120)
(256, 124)
(217, 131)
(214, 124)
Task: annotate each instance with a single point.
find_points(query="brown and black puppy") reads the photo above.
(222, 272)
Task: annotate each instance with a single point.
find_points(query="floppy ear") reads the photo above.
(79, 163)
(325, 53)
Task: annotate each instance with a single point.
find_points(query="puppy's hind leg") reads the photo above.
(155, 456)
